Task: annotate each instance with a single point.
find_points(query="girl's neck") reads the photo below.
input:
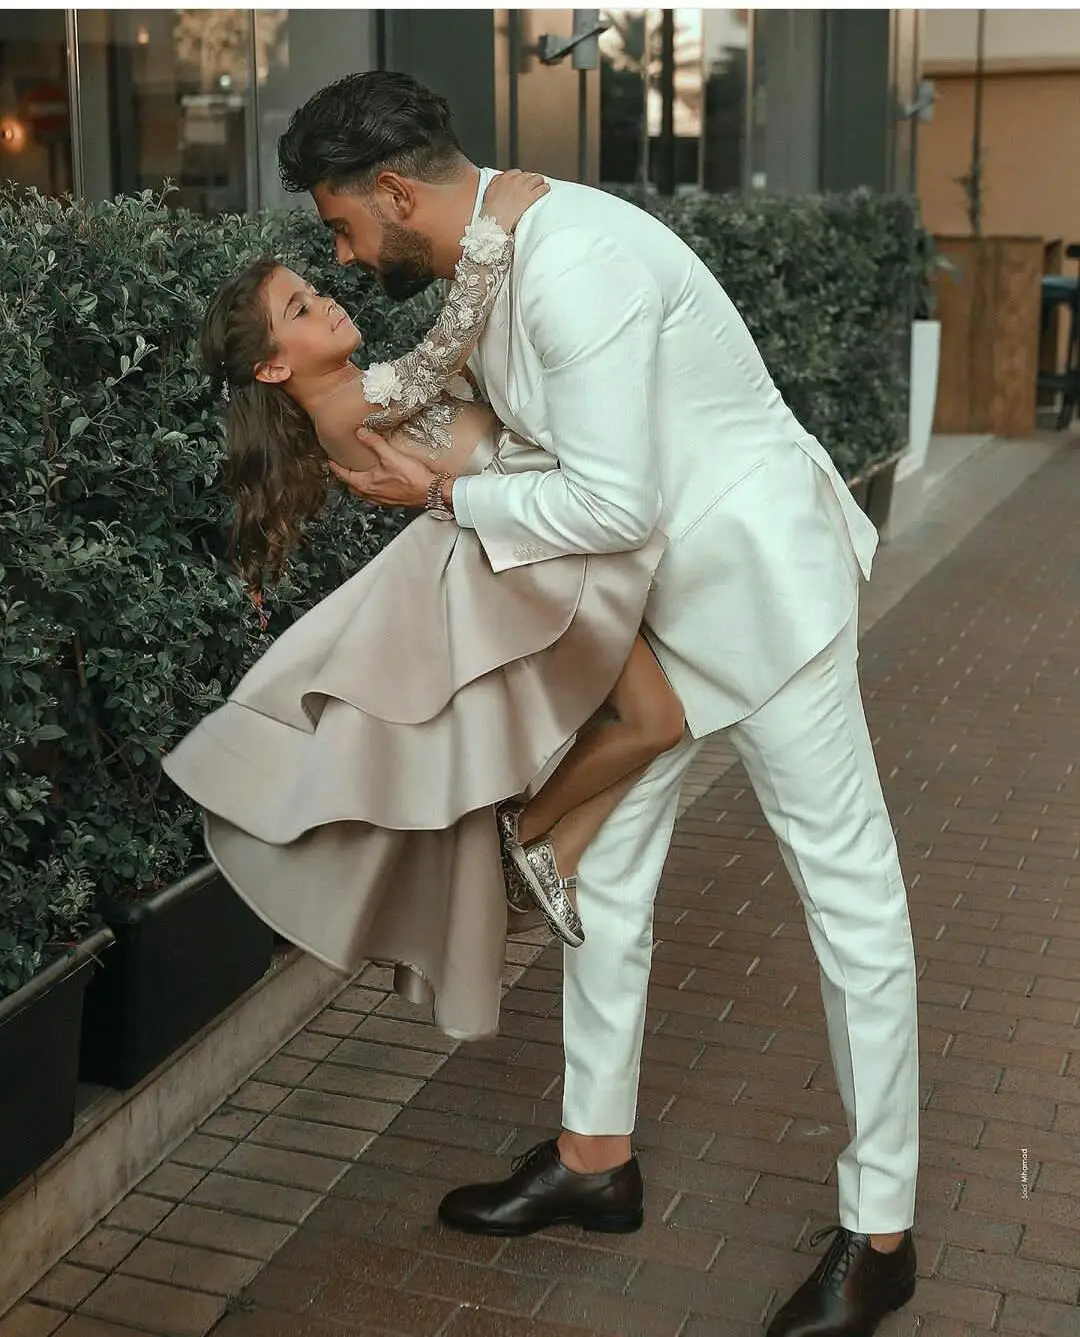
(311, 392)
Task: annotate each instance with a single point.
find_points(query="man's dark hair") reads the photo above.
(364, 124)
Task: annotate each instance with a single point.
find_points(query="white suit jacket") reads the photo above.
(613, 347)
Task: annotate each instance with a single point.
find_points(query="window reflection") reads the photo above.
(35, 134)
(165, 95)
(299, 51)
(624, 141)
(725, 47)
(710, 97)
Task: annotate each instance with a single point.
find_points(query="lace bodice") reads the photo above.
(424, 391)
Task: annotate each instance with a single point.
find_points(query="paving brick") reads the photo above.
(290, 1168)
(341, 1079)
(411, 1035)
(479, 1286)
(31, 1320)
(368, 1115)
(202, 1151)
(66, 1286)
(347, 1112)
(263, 1323)
(259, 1096)
(951, 1300)
(1038, 1318)
(372, 1057)
(335, 1022)
(721, 1293)
(139, 1213)
(231, 1123)
(268, 1202)
(190, 1268)
(1012, 1275)
(154, 1307)
(104, 1248)
(172, 1181)
(81, 1325)
(599, 1311)
(311, 1045)
(353, 1301)
(568, 1260)
(476, 1323)
(320, 1139)
(1051, 1244)
(228, 1232)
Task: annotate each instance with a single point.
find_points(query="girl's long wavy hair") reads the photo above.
(276, 469)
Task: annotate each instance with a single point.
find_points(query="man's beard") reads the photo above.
(404, 264)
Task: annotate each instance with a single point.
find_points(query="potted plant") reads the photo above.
(113, 527)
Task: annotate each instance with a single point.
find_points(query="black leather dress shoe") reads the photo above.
(850, 1291)
(542, 1192)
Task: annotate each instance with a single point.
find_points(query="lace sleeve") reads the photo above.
(404, 387)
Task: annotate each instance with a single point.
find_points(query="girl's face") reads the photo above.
(312, 334)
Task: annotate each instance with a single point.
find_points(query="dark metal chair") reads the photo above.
(1060, 291)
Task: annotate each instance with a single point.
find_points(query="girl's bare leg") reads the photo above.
(604, 763)
(574, 833)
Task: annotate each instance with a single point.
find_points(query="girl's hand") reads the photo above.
(510, 194)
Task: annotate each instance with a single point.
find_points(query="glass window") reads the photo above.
(624, 143)
(165, 94)
(709, 106)
(299, 51)
(725, 41)
(687, 104)
(35, 125)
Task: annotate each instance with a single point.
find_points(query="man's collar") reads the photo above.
(487, 175)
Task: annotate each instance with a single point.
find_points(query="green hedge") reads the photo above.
(828, 286)
(121, 625)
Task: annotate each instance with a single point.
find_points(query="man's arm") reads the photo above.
(593, 313)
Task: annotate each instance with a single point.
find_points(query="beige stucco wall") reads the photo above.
(1038, 36)
(1031, 120)
(1031, 145)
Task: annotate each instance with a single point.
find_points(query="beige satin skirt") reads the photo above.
(349, 781)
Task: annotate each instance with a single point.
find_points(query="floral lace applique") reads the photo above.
(424, 391)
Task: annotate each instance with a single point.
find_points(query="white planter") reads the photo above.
(925, 360)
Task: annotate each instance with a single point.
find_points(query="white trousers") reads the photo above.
(809, 757)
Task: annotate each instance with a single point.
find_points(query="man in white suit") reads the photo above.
(616, 350)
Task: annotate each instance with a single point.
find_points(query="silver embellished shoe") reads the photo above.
(536, 864)
(519, 894)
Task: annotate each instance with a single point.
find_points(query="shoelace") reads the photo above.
(530, 1157)
(843, 1251)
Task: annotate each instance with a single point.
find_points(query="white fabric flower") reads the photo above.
(484, 241)
(460, 388)
(382, 383)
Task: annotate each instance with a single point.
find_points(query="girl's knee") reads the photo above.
(663, 729)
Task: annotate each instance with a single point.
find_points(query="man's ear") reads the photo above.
(396, 195)
(272, 373)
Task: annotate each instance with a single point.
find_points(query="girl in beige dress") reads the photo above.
(364, 784)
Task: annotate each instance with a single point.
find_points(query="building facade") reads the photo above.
(103, 102)
(1030, 121)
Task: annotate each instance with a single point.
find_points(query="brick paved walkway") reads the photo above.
(320, 1223)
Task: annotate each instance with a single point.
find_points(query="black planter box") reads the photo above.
(39, 1060)
(880, 493)
(873, 491)
(860, 490)
(181, 958)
